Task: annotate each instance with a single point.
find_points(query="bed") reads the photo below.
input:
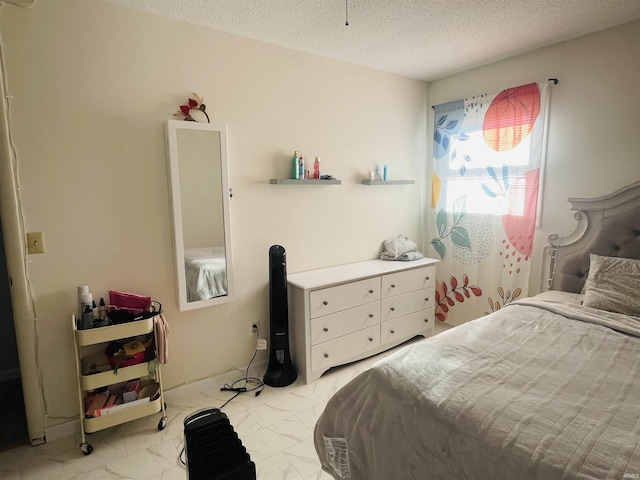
(545, 388)
(206, 273)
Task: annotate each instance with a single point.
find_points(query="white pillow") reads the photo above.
(613, 285)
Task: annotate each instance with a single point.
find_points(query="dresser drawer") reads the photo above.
(401, 305)
(407, 326)
(333, 299)
(335, 325)
(408, 281)
(334, 352)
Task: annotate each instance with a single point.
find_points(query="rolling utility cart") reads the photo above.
(146, 376)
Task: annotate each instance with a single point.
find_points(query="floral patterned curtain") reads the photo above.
(488, 151)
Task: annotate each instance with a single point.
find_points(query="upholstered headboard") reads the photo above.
(607, 225)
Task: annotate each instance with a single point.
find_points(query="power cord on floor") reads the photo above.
(251, 384)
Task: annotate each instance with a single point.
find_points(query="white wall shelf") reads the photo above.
(305, 181)
(388, 182)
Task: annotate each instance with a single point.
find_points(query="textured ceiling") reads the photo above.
(421, 39)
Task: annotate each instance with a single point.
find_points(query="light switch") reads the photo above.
(35, 242)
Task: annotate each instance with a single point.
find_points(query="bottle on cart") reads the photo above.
(87, 318)
(86, 299)
(102, 310)
(103, 317)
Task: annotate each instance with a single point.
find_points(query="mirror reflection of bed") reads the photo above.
(206, 273)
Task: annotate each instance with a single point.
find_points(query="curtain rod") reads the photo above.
(554, 80)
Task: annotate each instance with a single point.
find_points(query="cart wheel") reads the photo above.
(86, 448)
(162, 423)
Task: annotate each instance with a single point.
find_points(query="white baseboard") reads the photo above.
(72, 427)
(211, 382)
(12, 374)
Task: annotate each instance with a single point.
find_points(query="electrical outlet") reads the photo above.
(254, 330)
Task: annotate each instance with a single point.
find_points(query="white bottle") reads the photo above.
(86, 299)
(81, 289)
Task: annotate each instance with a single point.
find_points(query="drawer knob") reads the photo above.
(426, 299)
(426, 278)
(326, 355)
(371, 315)
(371, 339)
(325, 303)
(393, 309)
(393, 285)
(325, 329)
(426, 320)
(370, 291)
(392, 332)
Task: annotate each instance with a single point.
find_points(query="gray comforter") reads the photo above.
(538, 390)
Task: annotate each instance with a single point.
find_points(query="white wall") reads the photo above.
(594, 118)
(91, 86)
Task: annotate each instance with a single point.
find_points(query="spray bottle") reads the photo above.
(295, 167)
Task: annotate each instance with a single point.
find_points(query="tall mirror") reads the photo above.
(199, 189)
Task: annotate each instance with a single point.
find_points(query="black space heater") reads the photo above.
(280, 371)
(213, 450)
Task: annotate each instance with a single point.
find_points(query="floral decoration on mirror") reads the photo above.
(194, 110)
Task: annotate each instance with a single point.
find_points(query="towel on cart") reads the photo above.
(162, 336)
(400, 248)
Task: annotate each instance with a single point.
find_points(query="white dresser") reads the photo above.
(341, 314)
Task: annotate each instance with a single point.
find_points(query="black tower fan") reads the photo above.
(280, 371)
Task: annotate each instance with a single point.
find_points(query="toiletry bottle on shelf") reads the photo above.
(102, 310)
(84, 289)
(316, 168)
(384, 173)
(301, 170)
(86, 299)
(87, 318)
(295, 165)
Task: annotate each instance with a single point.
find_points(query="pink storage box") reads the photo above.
(129, 302)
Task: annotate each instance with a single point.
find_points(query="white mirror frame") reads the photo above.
(171, 138)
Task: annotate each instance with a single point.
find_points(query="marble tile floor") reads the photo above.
(276, 428)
